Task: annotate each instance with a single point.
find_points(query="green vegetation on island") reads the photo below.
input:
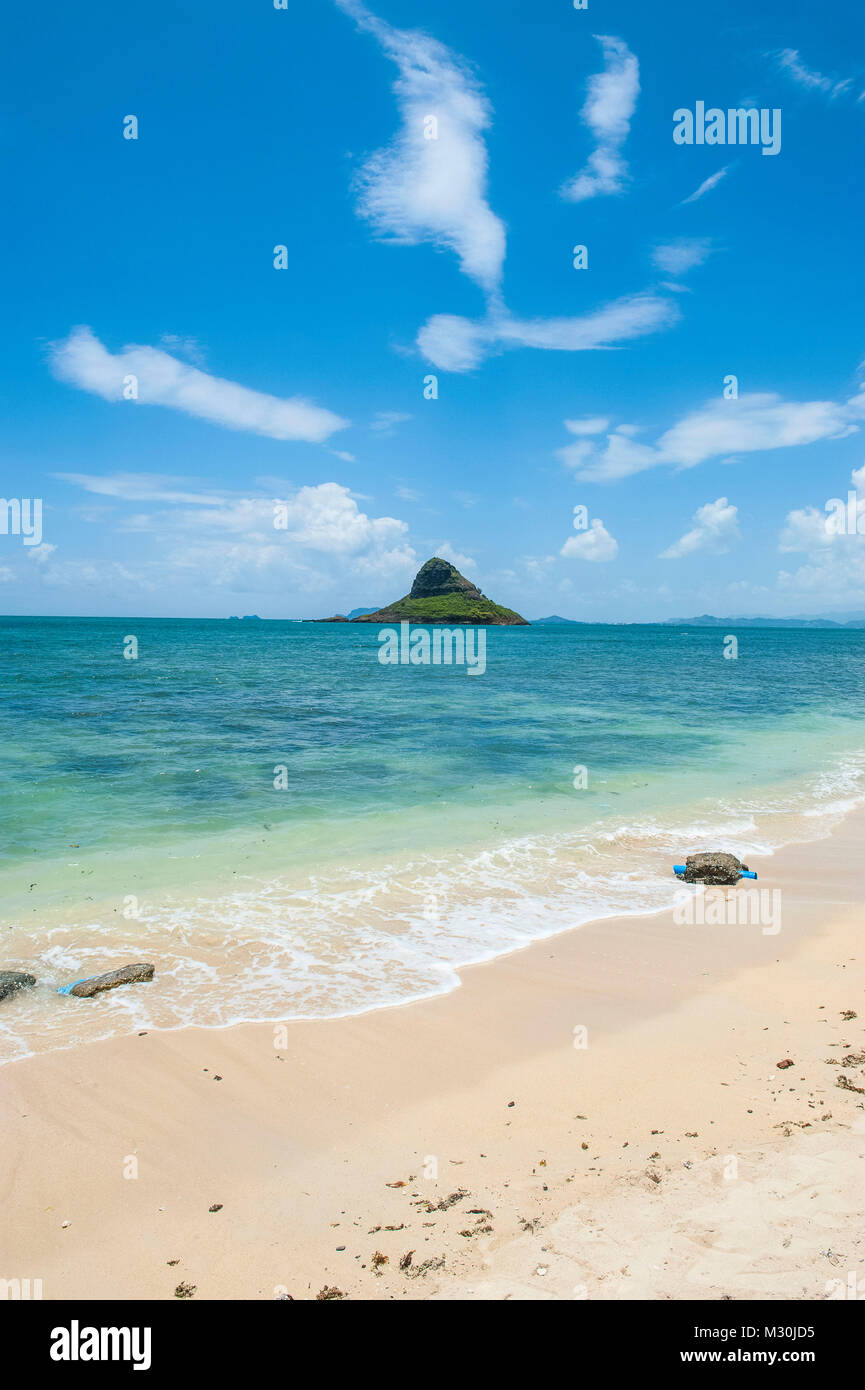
(440, 594)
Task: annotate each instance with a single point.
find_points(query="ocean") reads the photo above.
(289, 829)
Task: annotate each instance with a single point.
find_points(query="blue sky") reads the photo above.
(407, 257)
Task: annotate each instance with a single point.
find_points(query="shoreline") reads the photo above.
(505, 897)
(315, 1123)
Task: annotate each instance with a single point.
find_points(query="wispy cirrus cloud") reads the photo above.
(789, 60)
(683, 254)
(83, 361)
(142, 487)
(435, 190)
(458, 344)
(423, 189)
(715, 530)
(609, 106)
(706, 186)
(386, 421)
(752, 423)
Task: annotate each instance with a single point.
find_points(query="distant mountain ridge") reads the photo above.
(708, 620)
(555, 618)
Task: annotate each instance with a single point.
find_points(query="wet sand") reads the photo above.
(470, 1146)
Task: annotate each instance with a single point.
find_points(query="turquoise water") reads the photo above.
(428, 819)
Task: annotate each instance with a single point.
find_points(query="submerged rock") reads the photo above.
(126, 975)
(13, 980)
(713, 867)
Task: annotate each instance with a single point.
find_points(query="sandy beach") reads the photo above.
(480, 1145)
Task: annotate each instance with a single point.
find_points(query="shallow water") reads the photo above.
(428, 819)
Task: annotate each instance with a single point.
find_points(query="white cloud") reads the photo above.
(595, 544)
(789, 59)
(82, 360)
(620, 457)
(41, 554)
(677, 257)
(462, 562)
(419, 189)
(834, 570)
(756, 421)
(609, 106)
(753, 422)
(435, 190)
(385, 421)
(141, 487)
(706, 186)
(457, 344)
(233, 542)
(593, 424)
(716, 528)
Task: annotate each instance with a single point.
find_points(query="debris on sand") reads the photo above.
(426, 1267)
(329, 1293)
(787, 1062)
(185, 1290)
(445, 1202)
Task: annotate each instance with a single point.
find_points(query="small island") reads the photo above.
(440, 594)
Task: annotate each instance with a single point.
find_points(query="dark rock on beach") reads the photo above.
(712, 867)
(126, 975)
(13, 980)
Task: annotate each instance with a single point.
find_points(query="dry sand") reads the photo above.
(670, 1158)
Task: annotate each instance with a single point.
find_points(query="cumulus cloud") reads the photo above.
(83, 361)
(311, 539)
(595, 544)
(459, 344)
(834, 568)
(715, 530)
(609, 106)
(419, 189)
(677, 257)
(706, 186)
(754, 422)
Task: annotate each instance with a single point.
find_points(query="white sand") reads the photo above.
(757, 1184)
